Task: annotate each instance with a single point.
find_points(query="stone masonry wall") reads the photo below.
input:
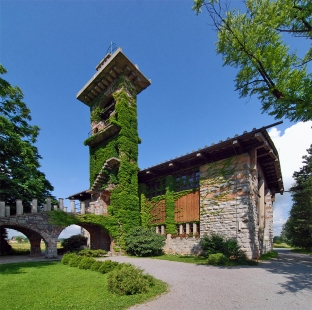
(228, 203)
(268, 228)
(182, 246)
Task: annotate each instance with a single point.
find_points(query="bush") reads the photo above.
(74, 243)
(107, 266)
(129, 280)
(75, 261)
(217, 259)
(92, 253)
(67, 257)
(86, 263)
(214, 243)
(144, 242)
(96, 265)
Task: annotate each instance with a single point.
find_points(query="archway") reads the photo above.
(33, 237)
(98, 237)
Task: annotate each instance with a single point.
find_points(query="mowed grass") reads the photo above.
(183, 259)
(52, 285)
(26, 245)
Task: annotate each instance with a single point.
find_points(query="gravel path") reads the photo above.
(283, 283)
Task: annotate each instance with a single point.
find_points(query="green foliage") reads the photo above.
(96, 265)
(20, 177)
(269, 255)
(5, 248)
(92, 253)
(86, 263)
(129, 280)
(124, 202)
(217, 259)
(107, 266)
(75, 261)
(298, 228)
(67, 257)
(74, 243)
(144, 242)
(252, 41)
(214, 243)
(169, 196)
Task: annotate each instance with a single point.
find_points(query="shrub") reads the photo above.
(74, 243)
(217, 259)
(107, 266)
(214, 243)
(129, 280)
(92, 253)
(75, 261)
(86, 263)
(144, 242)
(67, 257)
(96, 265)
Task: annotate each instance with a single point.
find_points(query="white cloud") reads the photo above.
(291, 146)
(69, 231)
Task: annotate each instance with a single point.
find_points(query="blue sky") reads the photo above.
(51, 48)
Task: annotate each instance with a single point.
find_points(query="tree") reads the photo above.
(20, 177)
(299, 225)
(253, 42)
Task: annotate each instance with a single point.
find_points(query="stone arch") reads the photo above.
(34, 236)
(99, 237)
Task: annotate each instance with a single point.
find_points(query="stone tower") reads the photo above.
(113, 139)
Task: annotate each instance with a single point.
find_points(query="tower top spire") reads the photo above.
(108, 70)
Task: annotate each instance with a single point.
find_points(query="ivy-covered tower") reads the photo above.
(113, 139)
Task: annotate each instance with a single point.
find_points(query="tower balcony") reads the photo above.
(100, 132)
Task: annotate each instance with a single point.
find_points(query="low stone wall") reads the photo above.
(182, 245)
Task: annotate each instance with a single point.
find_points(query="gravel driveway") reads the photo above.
(283, 283)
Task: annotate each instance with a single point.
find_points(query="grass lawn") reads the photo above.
(183, 259)
(200, 260)
(302, 251)
(52, 285)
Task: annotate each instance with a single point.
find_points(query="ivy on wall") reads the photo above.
(170, 223)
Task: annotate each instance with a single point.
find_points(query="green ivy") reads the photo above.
(170, 223)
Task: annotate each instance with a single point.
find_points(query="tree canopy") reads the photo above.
(20, 177)
(299, 224)
(253, 41)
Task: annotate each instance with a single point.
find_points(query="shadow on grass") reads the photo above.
(19, 268)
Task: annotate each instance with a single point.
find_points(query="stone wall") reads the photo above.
(182, 246)
(228, 201)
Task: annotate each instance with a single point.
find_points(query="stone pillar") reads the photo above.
(19, 207)
(7, 211)
(2, 209)
(61, 204)
(162, 229)
(157, 229)
(48, 201)
(35, 245)
(82, 207)
(92, 208)
(187, 229)
(65, 209)
(181, 229)
(55, 207)
(194, 228)
(51, 249)
(72, 206)
(45, 207)
(34, 205)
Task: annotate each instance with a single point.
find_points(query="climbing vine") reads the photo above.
(217, 180)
